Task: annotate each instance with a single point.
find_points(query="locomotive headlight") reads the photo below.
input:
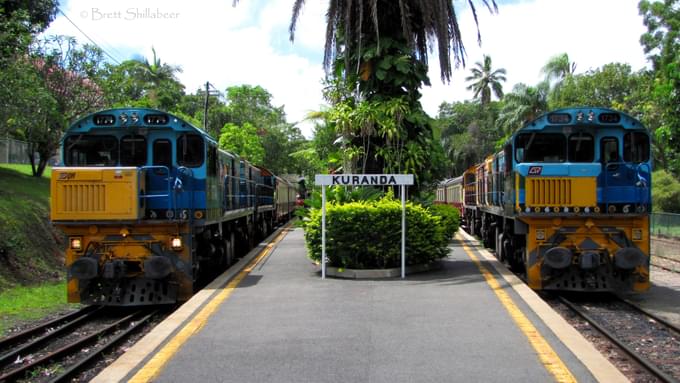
(547, 209)
(566, 209)
(637, 234)
(540, 234)
(176, 243)
(76, 243)
(586, 210)
(528, 210)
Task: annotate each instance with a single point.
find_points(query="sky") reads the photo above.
(212, 40)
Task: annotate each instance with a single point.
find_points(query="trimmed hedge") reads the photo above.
(367, 235)
(450, 217)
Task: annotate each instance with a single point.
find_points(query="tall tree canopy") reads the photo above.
(353, 24)
(661, 42)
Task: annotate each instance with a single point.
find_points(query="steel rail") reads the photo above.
(652, 315)
(15, 374)
(652, 368)
(20, 336)
(30, 346)
(77, 367)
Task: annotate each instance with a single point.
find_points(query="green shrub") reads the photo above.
(665, 192)
(367, 234)
(450, 217)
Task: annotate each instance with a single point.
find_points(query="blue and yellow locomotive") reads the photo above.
(567, 201)
(153, 208)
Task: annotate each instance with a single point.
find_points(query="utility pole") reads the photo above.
(208, 93)
(205, 107)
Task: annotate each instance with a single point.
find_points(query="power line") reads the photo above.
(88, 37)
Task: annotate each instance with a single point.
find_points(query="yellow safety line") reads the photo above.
(546, 354)
(156, 364)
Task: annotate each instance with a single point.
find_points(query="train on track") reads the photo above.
(566, 201)
(153, 209)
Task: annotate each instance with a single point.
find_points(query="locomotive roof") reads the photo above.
(146, 118)
(583, 116)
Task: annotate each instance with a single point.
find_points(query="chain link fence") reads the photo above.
(13, 151)
(665, 224)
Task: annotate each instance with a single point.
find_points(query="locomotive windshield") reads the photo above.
(555, 147)
(581, 147)
(89, 150)
(540, 147)
(133, 151)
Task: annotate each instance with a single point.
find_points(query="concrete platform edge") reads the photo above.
(134, 358)
(592, 359)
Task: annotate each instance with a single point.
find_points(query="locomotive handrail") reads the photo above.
(183, 170)
(170, 200)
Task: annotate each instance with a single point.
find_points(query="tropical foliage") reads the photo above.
(485, 80)
(426, 237)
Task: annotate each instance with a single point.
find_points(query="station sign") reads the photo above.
(401, 180)
(363, 179)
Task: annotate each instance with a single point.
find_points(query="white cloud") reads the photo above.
(248, 44)
(522, 37)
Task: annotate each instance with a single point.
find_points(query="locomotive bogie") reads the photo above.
(588, 254)
(112, 256)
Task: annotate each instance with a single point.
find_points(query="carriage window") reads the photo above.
(540, 147)
(581, 147)
(88, 150)
(190, 150)
(636, 147)
(133, 151)
(609, 150)
(162, 153)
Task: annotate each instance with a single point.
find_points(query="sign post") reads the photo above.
(363, 180)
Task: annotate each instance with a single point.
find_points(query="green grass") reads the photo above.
(29, 253)
(17, 181)
(22, 304)
(26, 169)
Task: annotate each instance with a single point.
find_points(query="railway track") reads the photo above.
(671, 264)
(665, 254)
(59, 350)
(649, 340)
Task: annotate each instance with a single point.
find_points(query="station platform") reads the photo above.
(271, 318)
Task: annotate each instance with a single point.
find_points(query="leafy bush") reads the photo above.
(338, 194)
(450, 217)
(367, 234)
(665, 192)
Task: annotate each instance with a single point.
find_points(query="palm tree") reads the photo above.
(351, 25)
(558, 68)
(485, 80)
(158, 72)
(161, 83)
(525, 103)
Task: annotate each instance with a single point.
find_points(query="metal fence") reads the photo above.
(13, 151)
(665, 224)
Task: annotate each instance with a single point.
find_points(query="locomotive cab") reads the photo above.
(152, 207)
